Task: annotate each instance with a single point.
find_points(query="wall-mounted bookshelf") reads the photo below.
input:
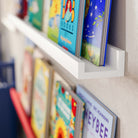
(79, 68)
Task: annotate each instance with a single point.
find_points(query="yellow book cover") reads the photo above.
(54, 20)
(42, 84)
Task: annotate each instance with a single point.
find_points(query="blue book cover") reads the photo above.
(99, 121)
(69, 20)
(95, 31)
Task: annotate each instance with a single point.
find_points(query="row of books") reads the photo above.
(79, 26)
(57, 109)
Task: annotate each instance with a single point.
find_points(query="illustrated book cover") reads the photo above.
(41, 98)
(71, 25)
(95, 32)
(35, 12)
(54, 20)
(67, 115)
(99, 121)
(69, 85)
(26, 94)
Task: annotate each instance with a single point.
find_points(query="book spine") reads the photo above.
(107, 31)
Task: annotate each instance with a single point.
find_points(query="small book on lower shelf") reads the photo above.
(99, 121)
(26, 94)
(67, 118)
(41, 98)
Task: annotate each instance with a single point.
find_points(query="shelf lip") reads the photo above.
(24, 119)
(79, 68)
(7, 24)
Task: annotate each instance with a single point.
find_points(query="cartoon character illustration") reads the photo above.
(68, 11)
(63, 12)
(54, 15)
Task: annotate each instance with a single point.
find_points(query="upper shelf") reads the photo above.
(79, 68)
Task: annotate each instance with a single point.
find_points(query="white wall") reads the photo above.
(13, 47)
(119, 94)
(132, 36)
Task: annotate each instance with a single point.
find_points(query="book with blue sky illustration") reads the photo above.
(95, 32)
(71, 25)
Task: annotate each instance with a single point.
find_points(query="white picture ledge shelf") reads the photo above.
(79, 68)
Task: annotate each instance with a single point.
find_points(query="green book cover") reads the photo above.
(54, 20)
(66, 120)
(35, 13)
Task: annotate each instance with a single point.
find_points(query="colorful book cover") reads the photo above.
(99, 121)
(69, 20)
(65, 114)
(54, 20)
(26, 94)
(41, 97)
(56, 77)
(93, 30)
(36, 13)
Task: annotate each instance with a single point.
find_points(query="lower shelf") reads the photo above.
(79, 68)
(24, 119)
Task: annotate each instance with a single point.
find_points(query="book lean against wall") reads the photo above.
(66, 120)
(71, 25)
(95, 32)
(66, 24)
(99, 121)
(41, 98)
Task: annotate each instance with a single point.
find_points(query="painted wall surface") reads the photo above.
(119, 94)
(132, 36)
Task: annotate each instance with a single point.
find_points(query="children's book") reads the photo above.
(54, 20)
(56, 77)
(45, 16)
(71, 25)
(35, 13)
(21, 8)
(99, 121)
(67, 116)
(41, 98)
(26, 94)
(95, 33)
